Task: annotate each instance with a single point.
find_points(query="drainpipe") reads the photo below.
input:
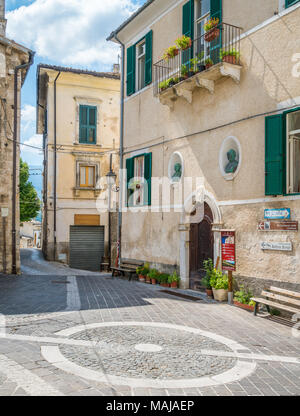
(15, 139)
(121, 144)
(55, 167)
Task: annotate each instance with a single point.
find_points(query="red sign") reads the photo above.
(228, 250)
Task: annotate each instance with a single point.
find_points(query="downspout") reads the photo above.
(55, 167)
(15, 139)
(119, 234)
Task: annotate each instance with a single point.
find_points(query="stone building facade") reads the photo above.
(233, 128)
(12, 55)
(78, 115)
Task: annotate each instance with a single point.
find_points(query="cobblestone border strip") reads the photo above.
(241, 369)
(31, 383)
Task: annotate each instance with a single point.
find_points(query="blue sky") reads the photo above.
(63, 32)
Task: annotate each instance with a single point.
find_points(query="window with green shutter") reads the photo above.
(87, 124)
(216, 45)
(139, 64)
(188, 13)
(274, 154)
(289, 3)
(139, 174)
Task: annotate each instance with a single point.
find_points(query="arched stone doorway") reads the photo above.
(201, 246)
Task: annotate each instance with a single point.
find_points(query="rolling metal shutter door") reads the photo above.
(86, 247)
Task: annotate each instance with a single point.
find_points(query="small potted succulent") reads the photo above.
(171, 52)
(211, 29)
(152, 276)
(164, 280)
(142, 272)
(219, 284)
(230, 56)
(208, 267)
(184, 42)
(208, 63)
(242, 299)
(174, 280)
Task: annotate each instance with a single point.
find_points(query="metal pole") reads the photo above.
(55, 167)
(230, 288)
(4, 244)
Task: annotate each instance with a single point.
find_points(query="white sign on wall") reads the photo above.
(277, 246)
(4, 212)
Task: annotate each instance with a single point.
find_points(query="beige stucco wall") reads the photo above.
(73, 90)
(237, 110)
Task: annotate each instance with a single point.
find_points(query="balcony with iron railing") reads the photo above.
(214, 55)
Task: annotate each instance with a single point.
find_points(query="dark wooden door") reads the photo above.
(201, 247)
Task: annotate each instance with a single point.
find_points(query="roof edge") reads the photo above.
(110, 75)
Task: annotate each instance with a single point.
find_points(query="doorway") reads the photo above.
(201, 247)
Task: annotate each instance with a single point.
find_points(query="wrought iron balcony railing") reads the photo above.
(221, 44)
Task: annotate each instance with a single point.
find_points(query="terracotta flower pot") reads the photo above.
(174, 285)
(209, 293)
(230, 59)
(153, 281)
(243, 306)
(188, 46)
(207, 66)
(212, 34)
(141, 278)
(165, 284)
(148, 280)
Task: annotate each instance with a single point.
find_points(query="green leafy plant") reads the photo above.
(184, 42)
(183, 70)
(163, 85)
(210, 24)
(275, 312)
(153, 273)
(244, 297)
(174, 278)
(143, 270)
(208, 61)
(171, 52)
(163, 278)
(208, 267)
(218, 280)
(229, 52)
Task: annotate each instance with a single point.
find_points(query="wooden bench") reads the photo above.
(127, 268)
(279, 298)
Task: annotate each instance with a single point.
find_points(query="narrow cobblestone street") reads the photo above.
(66, 332)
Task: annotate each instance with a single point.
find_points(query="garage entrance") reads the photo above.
(86, 247)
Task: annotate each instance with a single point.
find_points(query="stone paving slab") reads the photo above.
(34, 306)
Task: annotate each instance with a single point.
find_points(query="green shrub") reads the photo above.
(218, 280)
(163, 278)
(230, 52)
(143, 270)
(153, 273)
(243, 296)
(173, 278)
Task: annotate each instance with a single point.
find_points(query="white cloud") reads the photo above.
(28, 116)
(72, 32)
(36, 141)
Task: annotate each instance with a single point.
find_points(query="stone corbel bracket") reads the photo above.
(185, 90)
(233, 71)
(206, 83)
(168, 98)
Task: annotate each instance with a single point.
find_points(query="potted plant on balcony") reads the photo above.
(219, 284)
(184, 42)
(242, 299)
(172, 81)
(208, 267)
(164, 280)
(208, 63)
(174, 280)
(231, 56)
(163, 85)
(183, 73)
(211, 29)
(171, 52)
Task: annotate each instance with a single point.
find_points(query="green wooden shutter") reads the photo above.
(148, 63)
(274, 154)
(131, 56)
(289, 3)
(148, 176)
(188, 28)
(130, 174)
(83, 124)
(216, 45)
(92, 124)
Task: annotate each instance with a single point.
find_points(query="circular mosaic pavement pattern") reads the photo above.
(148, 352)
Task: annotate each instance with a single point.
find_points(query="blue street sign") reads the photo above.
(278, 214)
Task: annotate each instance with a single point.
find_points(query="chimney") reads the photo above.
(116, 68)
(2, 18)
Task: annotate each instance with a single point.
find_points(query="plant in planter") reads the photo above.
(143, 271)
(211, 29)
(184, 42)
(208, 63)
(153, 276)
(174, 280)
(230, 56)
(183, 73)
(219, 284)
(164, 280)
(171, 52)
(208, 267)
(242, 299)
(172, 81)
(163, 85)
